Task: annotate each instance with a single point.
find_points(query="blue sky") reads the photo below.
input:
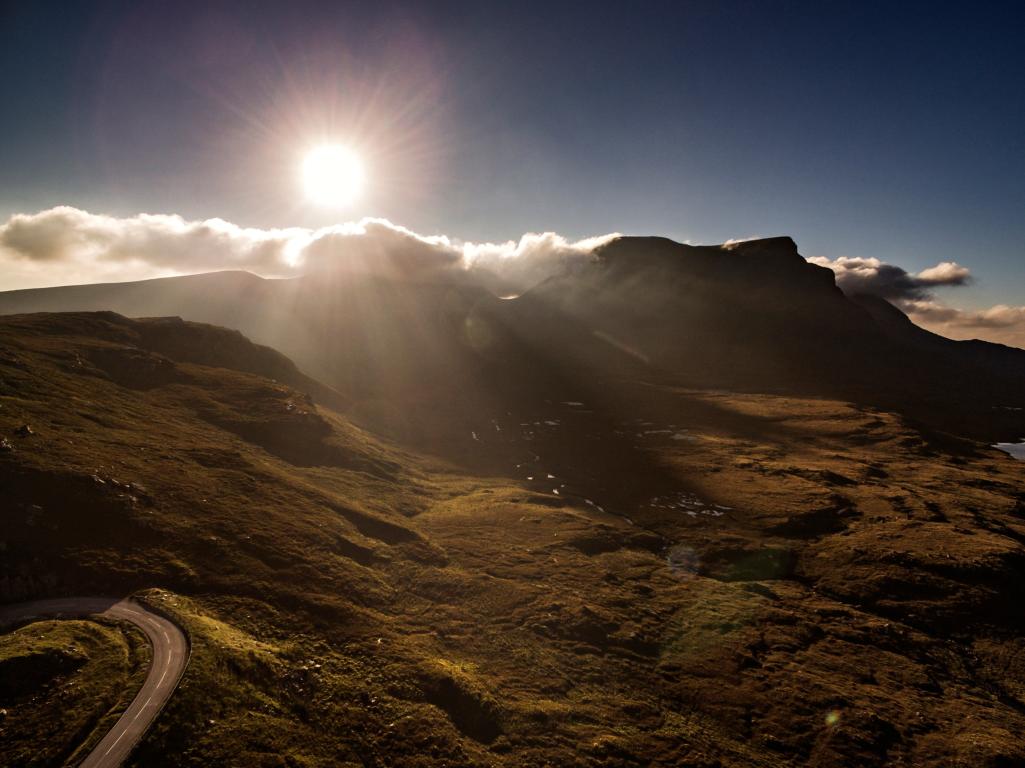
(880, 130)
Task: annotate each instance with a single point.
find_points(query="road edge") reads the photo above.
(142, 599)
(146, 604)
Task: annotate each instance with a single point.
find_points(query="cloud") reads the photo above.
(65, 244)
(373, 245)
(913, 293)
(999, 316)
(1000, 322)
(67, 239)
(380, 246)
(533, 258)
(945, 273)
(875, 277)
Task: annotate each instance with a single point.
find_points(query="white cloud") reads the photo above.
(62, 241)
(861, 275)
(1000, 323)
(945, 273)
(913, 293)
(65, 244)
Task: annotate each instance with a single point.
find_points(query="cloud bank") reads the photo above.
(891, 282)
(68, 245)
(914, 294)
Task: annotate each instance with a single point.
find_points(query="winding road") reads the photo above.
(170, 657)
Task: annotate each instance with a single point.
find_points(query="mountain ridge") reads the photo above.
(751, 315)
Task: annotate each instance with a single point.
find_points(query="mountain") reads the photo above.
(749, 316)
(671, 505)
(661, 575)
(755, 316)
(999, 359)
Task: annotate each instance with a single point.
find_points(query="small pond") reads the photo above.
(1015, 449)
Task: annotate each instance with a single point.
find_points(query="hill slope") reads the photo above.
(667, 576)
(752, 316)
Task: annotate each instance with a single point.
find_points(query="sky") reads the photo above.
(877, 134)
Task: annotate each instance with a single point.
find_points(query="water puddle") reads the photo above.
(688, 504)
(1017, 450)
(683, 561)
(647, 430)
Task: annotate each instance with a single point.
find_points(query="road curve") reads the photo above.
(170, 657)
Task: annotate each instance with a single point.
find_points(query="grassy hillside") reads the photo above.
(63, 684)
(749, 316)
(611, 573)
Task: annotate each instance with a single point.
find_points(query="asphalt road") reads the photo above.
(170, 656)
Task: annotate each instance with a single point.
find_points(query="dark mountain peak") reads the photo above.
(780, 243)
(772, 263)
(649, 246)
(640, 250)
(777, 261)
(780, 248)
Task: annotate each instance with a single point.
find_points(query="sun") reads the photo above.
(332, 175)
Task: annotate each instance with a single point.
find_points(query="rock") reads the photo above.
(24, 431)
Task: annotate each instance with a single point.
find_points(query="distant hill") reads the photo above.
(749, 316)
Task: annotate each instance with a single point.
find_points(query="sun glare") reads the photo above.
(332, 175)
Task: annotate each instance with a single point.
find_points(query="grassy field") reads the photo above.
(660, 577)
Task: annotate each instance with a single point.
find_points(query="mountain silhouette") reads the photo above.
(746, 316)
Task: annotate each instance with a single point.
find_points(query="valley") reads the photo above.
(622, 572)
